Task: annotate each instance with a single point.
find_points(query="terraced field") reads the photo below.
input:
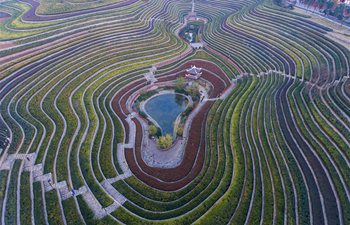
(270, 145)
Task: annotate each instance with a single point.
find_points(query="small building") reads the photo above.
(197, 45)
(193, 73)
(150, 77)
(192, 15)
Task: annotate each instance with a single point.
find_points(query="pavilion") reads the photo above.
(193, 72)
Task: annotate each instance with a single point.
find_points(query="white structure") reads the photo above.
(150, 76)
(193, 73)
(197, 45)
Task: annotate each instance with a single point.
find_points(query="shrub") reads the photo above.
(146, 94)
(180, 83)
(187, 111)
(193, 90)
(152, 130)
(165, 141)
(180, 130)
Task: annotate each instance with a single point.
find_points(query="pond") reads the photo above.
(164, 109)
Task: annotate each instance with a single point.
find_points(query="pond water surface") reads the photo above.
(164, 109)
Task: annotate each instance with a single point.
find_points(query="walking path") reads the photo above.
(94, 205)
(8, 160)
(123, 176)
(118, 197)
(132, 132)
(121, 158)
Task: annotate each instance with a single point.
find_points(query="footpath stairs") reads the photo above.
(123, 176)
(112, 207)
(94, 205)
(45, 178)
(8, 160)
(119, 198)
(66, 193)
(38, 174)
(64, 190)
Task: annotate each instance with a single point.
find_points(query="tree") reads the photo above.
(152, 130)
(193, 90)
(321, 3)
(330, 4)
(339, 11)
(180, 83)
(165, 141)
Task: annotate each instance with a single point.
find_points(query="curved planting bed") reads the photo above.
(192, 163)
(268, 144)
(31, 14)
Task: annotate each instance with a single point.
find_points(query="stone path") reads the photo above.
(8, 160)
(94, 205)
(29, 162)
(38, 174)
(132, 132)
(89, 198)
(46, 179)
(37, 170)
(210, 99)
(112, 207)
(121, 158)
(123, 176)
(64, 191)
(118, 197)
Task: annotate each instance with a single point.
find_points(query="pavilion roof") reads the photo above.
(194, 70)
